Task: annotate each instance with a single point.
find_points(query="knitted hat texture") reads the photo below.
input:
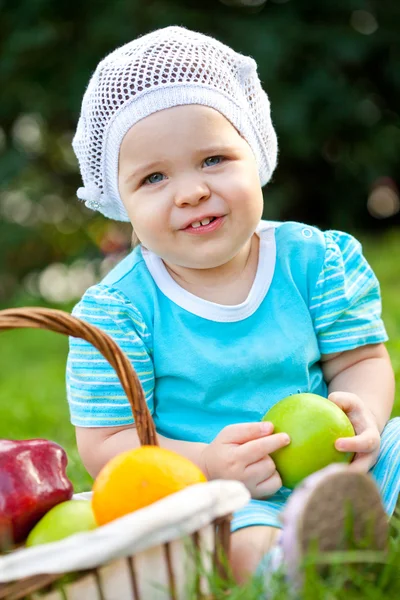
(168, 67)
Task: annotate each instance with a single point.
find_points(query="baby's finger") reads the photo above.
(268, 487)
(345, 400)
(259, 471)
(362, 463)
(240, 433)
(367, 441)
(255, 450)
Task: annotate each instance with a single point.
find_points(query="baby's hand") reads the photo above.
(241, 452)
(367, 441)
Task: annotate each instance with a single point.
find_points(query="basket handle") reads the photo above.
(62, 322)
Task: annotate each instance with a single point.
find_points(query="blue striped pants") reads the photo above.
(386, 473)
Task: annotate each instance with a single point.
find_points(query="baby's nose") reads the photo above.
(192, 194)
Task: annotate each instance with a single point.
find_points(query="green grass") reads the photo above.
(350, 575)
(383, 255)
(33, 404)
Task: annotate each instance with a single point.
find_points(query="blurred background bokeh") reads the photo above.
(332, 72)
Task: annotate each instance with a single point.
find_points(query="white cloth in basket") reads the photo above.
(173, 517)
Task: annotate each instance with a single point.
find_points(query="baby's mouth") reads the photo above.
(203, 222)
(206, 225)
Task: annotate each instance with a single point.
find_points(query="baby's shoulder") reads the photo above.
(306, 252)
(298, 241)
(316, 256)
(310, 236)
(127, 288)
(294, 232)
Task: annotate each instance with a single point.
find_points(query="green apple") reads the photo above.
(61, 521)
(313, 424)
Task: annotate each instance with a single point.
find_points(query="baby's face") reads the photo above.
(186, 164)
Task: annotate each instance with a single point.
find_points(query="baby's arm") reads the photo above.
(366, 372)
(97, 445)
(361, 382)
(240, 451)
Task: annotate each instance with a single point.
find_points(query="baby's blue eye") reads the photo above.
(214, 160)
(152, 178)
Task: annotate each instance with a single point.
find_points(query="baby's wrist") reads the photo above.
(203, 462)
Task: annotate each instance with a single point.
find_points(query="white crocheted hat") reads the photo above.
(168, 67)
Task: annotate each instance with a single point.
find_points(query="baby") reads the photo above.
(221, 313)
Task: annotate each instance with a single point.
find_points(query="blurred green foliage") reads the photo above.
(330, 69)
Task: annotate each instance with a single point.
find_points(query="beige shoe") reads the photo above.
(333, 509)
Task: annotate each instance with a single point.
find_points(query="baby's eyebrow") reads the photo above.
(215, 150)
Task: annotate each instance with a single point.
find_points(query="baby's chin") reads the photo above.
(204, 259)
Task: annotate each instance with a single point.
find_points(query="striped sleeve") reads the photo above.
(346, 304)
(95, 395)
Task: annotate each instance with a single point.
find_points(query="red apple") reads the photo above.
(32, 481)
(313, 424)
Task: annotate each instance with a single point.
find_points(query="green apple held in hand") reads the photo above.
(63, 520)
(313, 424)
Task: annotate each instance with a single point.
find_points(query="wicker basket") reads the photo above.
(120, 579)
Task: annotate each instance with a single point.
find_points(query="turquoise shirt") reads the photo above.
(203, 365)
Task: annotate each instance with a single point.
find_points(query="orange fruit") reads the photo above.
(136, 478)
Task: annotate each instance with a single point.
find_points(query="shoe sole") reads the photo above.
(344, 508)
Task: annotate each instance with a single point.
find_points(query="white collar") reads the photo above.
(211, 310)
